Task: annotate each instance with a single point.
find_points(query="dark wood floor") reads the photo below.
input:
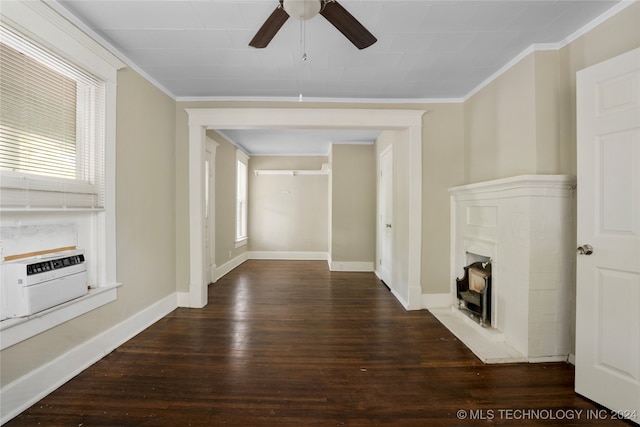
(292, 344)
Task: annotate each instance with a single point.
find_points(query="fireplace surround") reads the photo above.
(526, 226)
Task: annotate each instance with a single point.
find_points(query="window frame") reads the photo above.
(35, 187)
(49, 27)
(242, 199)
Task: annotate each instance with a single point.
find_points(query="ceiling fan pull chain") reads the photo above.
(303, 56)
(303, 40)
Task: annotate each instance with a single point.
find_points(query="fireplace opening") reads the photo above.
(474, 290)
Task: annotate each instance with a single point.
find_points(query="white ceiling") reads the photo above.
(426, 49)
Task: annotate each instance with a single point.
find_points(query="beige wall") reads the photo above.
(500, 128)
(353, 201)
(225, 200)
(547, 132)
(182, 198)
(145, 191)
(617, 35)
(524, 121)
(288, 213)
(145, 224)
(442, 168)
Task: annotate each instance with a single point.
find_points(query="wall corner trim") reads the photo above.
(182, 299)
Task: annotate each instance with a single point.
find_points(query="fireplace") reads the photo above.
(520, 231)
(474, 292)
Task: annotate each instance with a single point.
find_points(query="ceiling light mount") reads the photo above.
(302, 9)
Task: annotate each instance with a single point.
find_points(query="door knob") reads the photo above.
(585, 250)
(388, 225)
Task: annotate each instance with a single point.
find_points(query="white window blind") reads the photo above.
(51, 129)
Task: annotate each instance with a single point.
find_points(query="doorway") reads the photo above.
(408, 255)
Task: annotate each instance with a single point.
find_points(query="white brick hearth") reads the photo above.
(526, 225)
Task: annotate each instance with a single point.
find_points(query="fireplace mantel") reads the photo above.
(526, 225)
(522, 185)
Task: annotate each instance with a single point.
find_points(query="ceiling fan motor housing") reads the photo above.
(331, 10)
(302, 9)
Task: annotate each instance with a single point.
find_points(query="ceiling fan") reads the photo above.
(306, 9)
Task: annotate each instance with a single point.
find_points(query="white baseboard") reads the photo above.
(351, 266)
(401, 300)
(436, 300)
(284, 255)
(572, 359)
(230, 265)
(549, 359)
(20, 394)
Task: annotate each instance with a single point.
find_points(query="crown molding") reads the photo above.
(308, 100)
(619, 7)
(38, 21)
(552, 46)
(506, 67)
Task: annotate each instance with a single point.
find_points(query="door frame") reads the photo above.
(210, 216)
(201, 119)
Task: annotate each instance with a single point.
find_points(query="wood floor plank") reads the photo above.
(288, 343)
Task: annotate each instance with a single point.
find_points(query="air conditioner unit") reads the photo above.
(34, 284)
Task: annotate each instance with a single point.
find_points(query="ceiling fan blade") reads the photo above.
(267, 32)
(347, 24)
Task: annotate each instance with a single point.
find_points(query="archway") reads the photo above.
(201, 119)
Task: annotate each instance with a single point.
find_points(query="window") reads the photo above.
(57, 146)
(241, 196)
(51, 129)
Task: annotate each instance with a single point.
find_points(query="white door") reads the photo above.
(385, 217)
(608, 260)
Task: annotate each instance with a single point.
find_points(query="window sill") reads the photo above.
(241, 242)
(13, 331)
(45, 209)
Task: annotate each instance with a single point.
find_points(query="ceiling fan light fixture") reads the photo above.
(302, 9)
